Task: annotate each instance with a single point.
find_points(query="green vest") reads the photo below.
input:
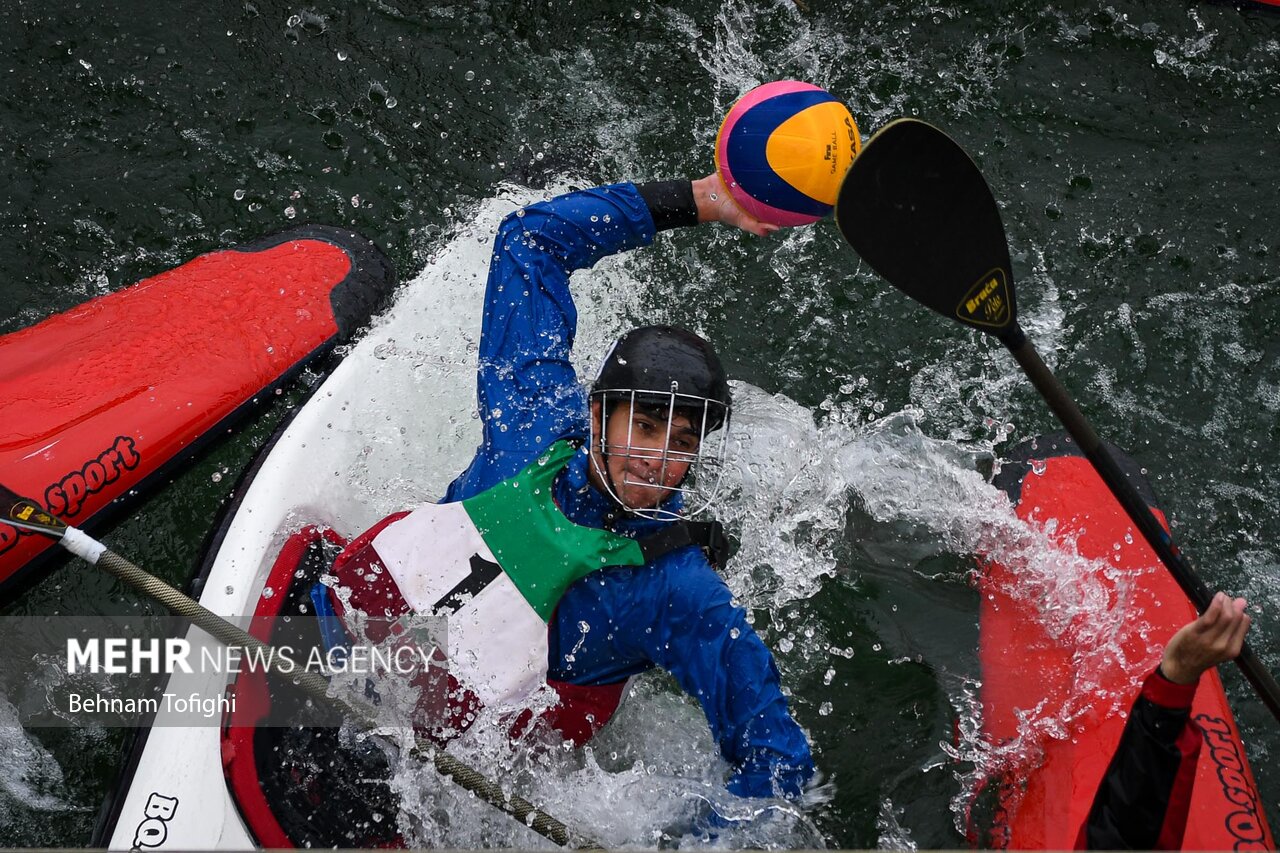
(538, 548)
(486, 574)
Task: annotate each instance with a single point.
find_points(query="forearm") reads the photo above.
(757, 734)
(1142, 800)
(675, 204)
(778, 761)
(705, 642)
(672, 204)
(574, 230)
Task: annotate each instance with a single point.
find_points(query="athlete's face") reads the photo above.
(642, 457)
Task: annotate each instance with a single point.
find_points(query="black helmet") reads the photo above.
(654, 362)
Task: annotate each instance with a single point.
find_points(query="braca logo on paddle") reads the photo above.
(27, 515)
(987, 303)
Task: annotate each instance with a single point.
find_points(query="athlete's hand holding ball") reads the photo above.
(716, 205)
(781, 153)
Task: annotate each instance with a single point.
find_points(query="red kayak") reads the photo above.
(1053, 705)
(102, 401)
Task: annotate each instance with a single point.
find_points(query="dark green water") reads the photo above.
(1133, 148)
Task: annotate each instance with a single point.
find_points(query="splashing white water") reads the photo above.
(30, 777)
(793, 481)
(628, 789)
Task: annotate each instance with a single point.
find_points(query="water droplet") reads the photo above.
(290, 212)
(238, 195)
(342, 56)
(636, 14)
(785, 645)
(469, 76)
(294, 20)
(734, 633)
(229, 590)
(355, 201)
(268, 592)
(828, 676)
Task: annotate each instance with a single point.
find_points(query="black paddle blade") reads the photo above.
(28, 515)
(916, 208)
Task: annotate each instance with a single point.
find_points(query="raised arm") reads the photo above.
(527, 391)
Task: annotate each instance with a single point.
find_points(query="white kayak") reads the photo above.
(394, 417)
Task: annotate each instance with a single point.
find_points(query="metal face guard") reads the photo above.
(701, 483)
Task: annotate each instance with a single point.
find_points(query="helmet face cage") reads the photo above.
(701, 483)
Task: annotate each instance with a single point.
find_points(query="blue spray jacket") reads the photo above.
(676, 612)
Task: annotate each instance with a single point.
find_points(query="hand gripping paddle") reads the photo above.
(916, 208)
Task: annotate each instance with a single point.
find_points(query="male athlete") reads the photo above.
(573, 568)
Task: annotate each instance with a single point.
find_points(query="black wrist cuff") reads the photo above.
(670, 203)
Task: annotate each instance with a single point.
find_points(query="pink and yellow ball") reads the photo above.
(783, 149)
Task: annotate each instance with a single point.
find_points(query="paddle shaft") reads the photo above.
(317, 687)
(1062, 404)
(26, 515)
(915, 206)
